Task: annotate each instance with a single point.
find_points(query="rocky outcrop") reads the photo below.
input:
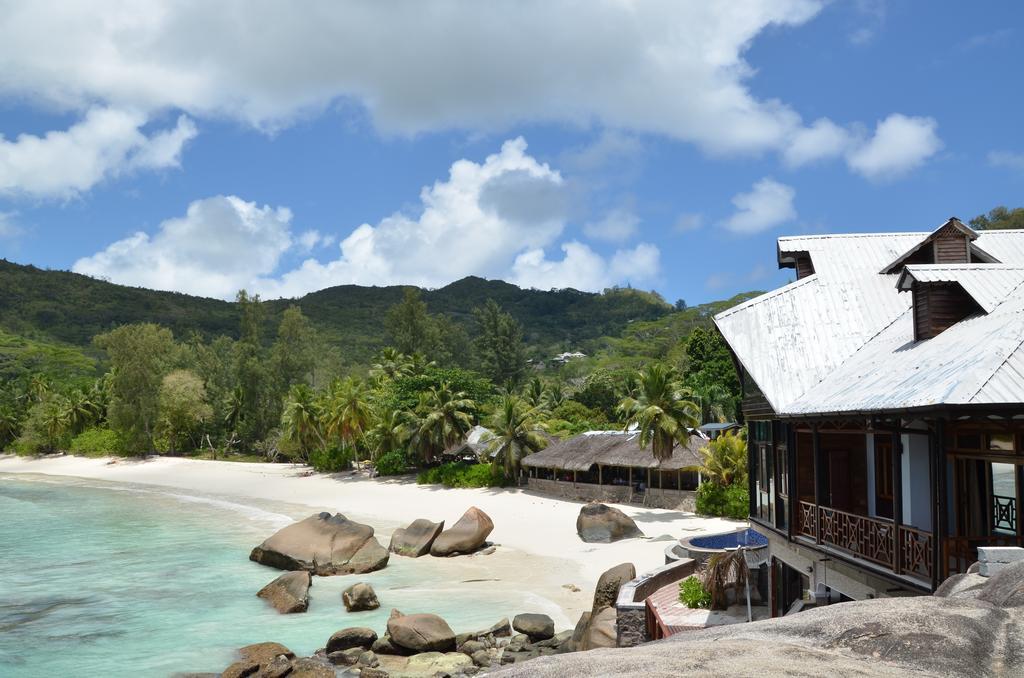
(346, 639)
(536, 626)
(426, 665)
(465, 536)
(324, 545)
(598, 627)
(258, 658)
(421, 633)
(359, 598)
(603, 524)
(288, 593)
(972, 628)
(415, 541)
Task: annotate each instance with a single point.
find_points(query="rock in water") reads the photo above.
(289, 592)
(415, 541)
(346, 639)
(359, 598)
(599, 523)
(465, 536)
(253, 659)
(537, 626)
(324, 545)
(421, 633)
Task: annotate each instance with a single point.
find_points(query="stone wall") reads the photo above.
(680, 500)
(631, 605)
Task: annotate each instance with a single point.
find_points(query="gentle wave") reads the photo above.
(278, 520)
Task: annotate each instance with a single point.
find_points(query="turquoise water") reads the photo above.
(115, 580)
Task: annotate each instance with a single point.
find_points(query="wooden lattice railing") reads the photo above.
(906, 550)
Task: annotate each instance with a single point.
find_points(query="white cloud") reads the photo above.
(106, 143)
(768, 204)
(8, 227)
(219, 247)
(662, 67)
(616, 226)
(900, 144)
(690, 221)
(490, 219)
(313, 239)
(1007, 159)
(822, 140)
(611, 148)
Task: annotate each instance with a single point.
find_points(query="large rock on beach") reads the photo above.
(465, 536)
(257, 658)
(421, 633)
(288, 593)
(600, 628)
(426, 665)
(974, 629)
(346, 639)
(359, 598)
(324, 545)
(603, 524)
(537, 626)
(415, 541)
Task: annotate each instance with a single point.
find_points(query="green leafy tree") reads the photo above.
(599, 392)
(348, 413)
(499, 344)
(391, 364)
(515, 433)
(183, 411)
(410, 328)
(725, 460)
(710, 370)
(140, 355)
(534, 393)
(391, 432)
(301, 422)
(259, 404)
(661, 411)
(445, 418)
(999, 218)
(294, 353)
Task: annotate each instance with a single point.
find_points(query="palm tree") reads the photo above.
(725, 460)
(716, 403)
(80, 411)
(9, 425)
(348, 412)
(553, 396)
(391, 364)
(533, 392)
(392, 431)
(515, 433)
(446, 416)
(726, 570)
(55, 420)
(660, 410)
(38, 388)
(234, 405)
(300, 422)
(418, 364)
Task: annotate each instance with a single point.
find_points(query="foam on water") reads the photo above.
(120, 580)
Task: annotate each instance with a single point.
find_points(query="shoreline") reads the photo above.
(539, 550)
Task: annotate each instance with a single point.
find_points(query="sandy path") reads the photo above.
(540, 549)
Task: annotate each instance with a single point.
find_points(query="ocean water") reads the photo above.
(117, 580)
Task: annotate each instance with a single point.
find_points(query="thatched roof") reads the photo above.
(614, 448)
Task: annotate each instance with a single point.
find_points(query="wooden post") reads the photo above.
(819, 480)
(897, 501)
(791, 475)
(940, 525)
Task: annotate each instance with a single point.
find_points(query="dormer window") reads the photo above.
(801, 261)
(940, 305)
(950, 243)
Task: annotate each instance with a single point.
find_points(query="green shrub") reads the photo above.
(693, 594)
(457, 474)
(96, 442)
(729, 502)
(392, 464)
(331, 461)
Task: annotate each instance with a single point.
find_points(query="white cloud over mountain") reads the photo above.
(494, 219)
(105, 143)
(769, 203)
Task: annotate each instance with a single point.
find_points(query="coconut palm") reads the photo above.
(515, 433)
(726, 570)
(80, 411)
(419, 364)
(533, 392)
(234, 405)
(10, 425)
(300, 422)
(661, 411)
(553, 396)
(391, 364)
(391, 431)
(725, 460)
(446, 416)
(716, 403)
(348, 413)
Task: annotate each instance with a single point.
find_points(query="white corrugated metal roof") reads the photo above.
(988, 284)
(841, 340)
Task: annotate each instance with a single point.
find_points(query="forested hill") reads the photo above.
(71, 308)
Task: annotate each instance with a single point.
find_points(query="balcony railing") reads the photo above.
(904, 550)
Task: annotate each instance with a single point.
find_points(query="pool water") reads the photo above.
(729, 540)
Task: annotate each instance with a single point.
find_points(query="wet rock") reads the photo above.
(311, 668)
(471, 646)
(536, 626)
(415, 541)
(600, 523)
(255, 658)
(481, 658)
(360, 598)
(421, 633)
(383, 645)
(288, 593)
(279, 668)
(324, 545)
(356, 636)
(427, 665)
(347, 657)
(368, 658)
(465, 536)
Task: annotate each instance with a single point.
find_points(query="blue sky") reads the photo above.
(204, 148)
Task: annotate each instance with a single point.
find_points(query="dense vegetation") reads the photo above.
(288, 380)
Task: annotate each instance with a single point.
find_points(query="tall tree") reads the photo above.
(294, 351)
(515, 433)
(348, 412)
(660, 411)
(499, 344)
(446, 417)
(708, 363)
(409, 326)
(140, 355)
(1000, 218)
(183, 411)
(301, 421)
(258, 403)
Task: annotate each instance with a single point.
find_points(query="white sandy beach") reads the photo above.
(539, 548)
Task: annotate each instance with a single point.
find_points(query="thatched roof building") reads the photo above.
(614, 448)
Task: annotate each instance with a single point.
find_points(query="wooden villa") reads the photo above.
(884, 391)
(611, 466)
